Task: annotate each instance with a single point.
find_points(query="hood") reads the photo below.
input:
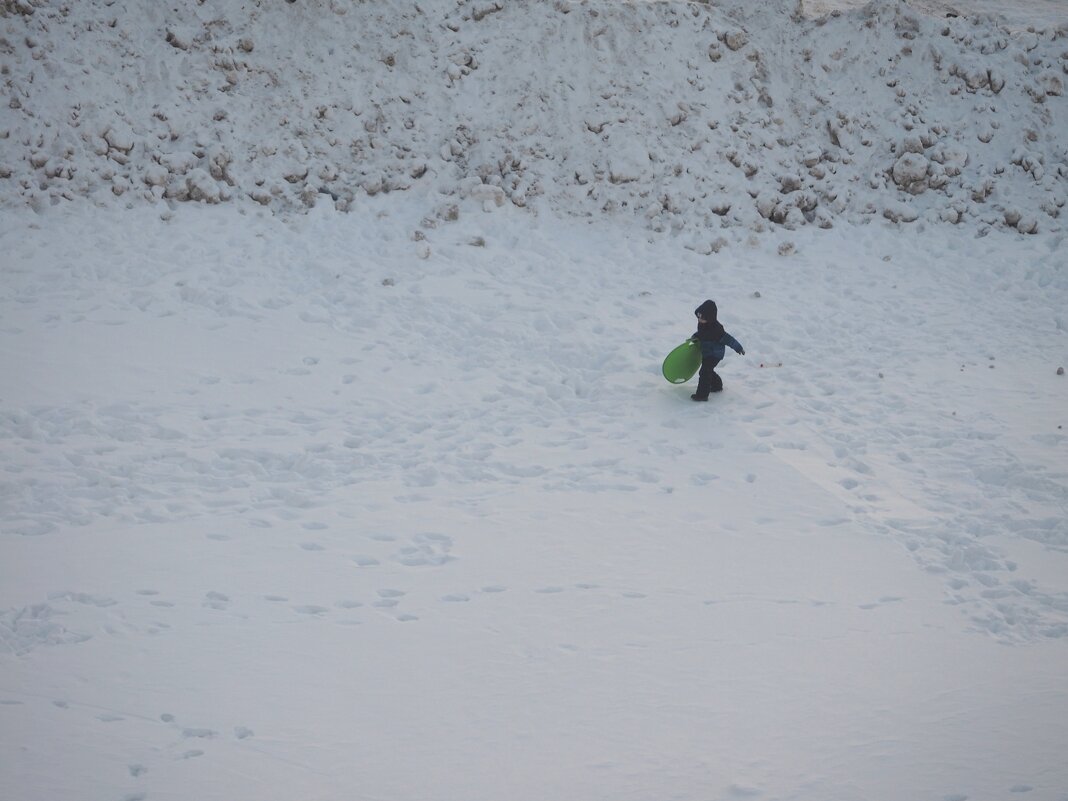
(707, 310)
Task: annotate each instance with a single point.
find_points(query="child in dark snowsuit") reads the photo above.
(714, 341)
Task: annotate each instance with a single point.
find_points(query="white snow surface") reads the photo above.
(337, 462)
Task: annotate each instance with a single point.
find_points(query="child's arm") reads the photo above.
(735, 345)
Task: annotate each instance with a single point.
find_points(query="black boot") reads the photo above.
(697, 397)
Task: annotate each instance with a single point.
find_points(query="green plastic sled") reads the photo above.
(681, 364)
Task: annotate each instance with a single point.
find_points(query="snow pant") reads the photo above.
(708, 379)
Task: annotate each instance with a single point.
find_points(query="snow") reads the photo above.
(338, 463)
(650, 112)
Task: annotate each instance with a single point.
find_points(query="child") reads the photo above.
(713, 340)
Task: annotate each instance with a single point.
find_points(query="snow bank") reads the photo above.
(686, 116)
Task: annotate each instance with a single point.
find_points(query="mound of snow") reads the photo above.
(687, 116)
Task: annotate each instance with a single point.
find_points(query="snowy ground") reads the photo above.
(336, 460)
(308, 509)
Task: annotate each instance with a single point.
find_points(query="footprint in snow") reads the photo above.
(426, 550)
(744, 791)
(888, 599)
(82, 598)
(700, 479)
(216, 600)
(828, 522)
(387, 599)
(310, 609)
(156, 602)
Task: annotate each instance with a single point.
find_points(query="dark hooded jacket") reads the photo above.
(711, 335)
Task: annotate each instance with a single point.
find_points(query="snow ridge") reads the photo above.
(690, 117)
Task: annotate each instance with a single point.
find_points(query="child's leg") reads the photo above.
(717, 382)
(708, 379)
